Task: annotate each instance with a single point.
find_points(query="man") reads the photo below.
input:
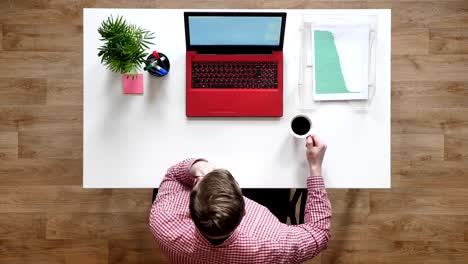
(200, 216)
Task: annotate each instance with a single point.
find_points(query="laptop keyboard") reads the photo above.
(237, 75)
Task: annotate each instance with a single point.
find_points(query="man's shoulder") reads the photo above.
(170, 224)
(259, 224)
(170, 216)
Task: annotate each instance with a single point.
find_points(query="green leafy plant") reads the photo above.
(124, 45)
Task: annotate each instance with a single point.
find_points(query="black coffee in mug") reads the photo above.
(300, 125)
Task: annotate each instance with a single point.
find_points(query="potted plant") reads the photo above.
(123, 51)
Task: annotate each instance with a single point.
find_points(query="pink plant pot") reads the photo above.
(132, 85)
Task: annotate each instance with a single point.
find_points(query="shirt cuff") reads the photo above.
(315, 182)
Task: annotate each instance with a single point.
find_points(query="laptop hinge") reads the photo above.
(236, 50)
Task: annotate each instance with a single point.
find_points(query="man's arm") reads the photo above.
(171, 204)
(180, 177)
(307, 240)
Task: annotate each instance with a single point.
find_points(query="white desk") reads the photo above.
(131, 140)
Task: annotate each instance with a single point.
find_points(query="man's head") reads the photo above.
(216, 204)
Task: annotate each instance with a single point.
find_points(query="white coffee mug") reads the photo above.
(300, 126)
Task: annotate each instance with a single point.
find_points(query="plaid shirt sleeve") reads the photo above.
(177, 183)
(307, 240)
(178, 178)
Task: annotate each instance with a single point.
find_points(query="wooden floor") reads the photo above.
(46, 217)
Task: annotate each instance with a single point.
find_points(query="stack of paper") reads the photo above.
(341, 62)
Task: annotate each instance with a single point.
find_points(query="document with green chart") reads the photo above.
(341, 62)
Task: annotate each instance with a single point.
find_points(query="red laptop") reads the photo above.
(234, 63)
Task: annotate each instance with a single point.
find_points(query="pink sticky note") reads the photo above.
(132, 85)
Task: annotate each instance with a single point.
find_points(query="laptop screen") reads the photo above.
(232, 30)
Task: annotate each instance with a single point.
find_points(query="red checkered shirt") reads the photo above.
(259, 238)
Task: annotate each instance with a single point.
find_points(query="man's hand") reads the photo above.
(315, 153)
(201, 168)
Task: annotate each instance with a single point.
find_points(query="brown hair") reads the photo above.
(216, 204)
